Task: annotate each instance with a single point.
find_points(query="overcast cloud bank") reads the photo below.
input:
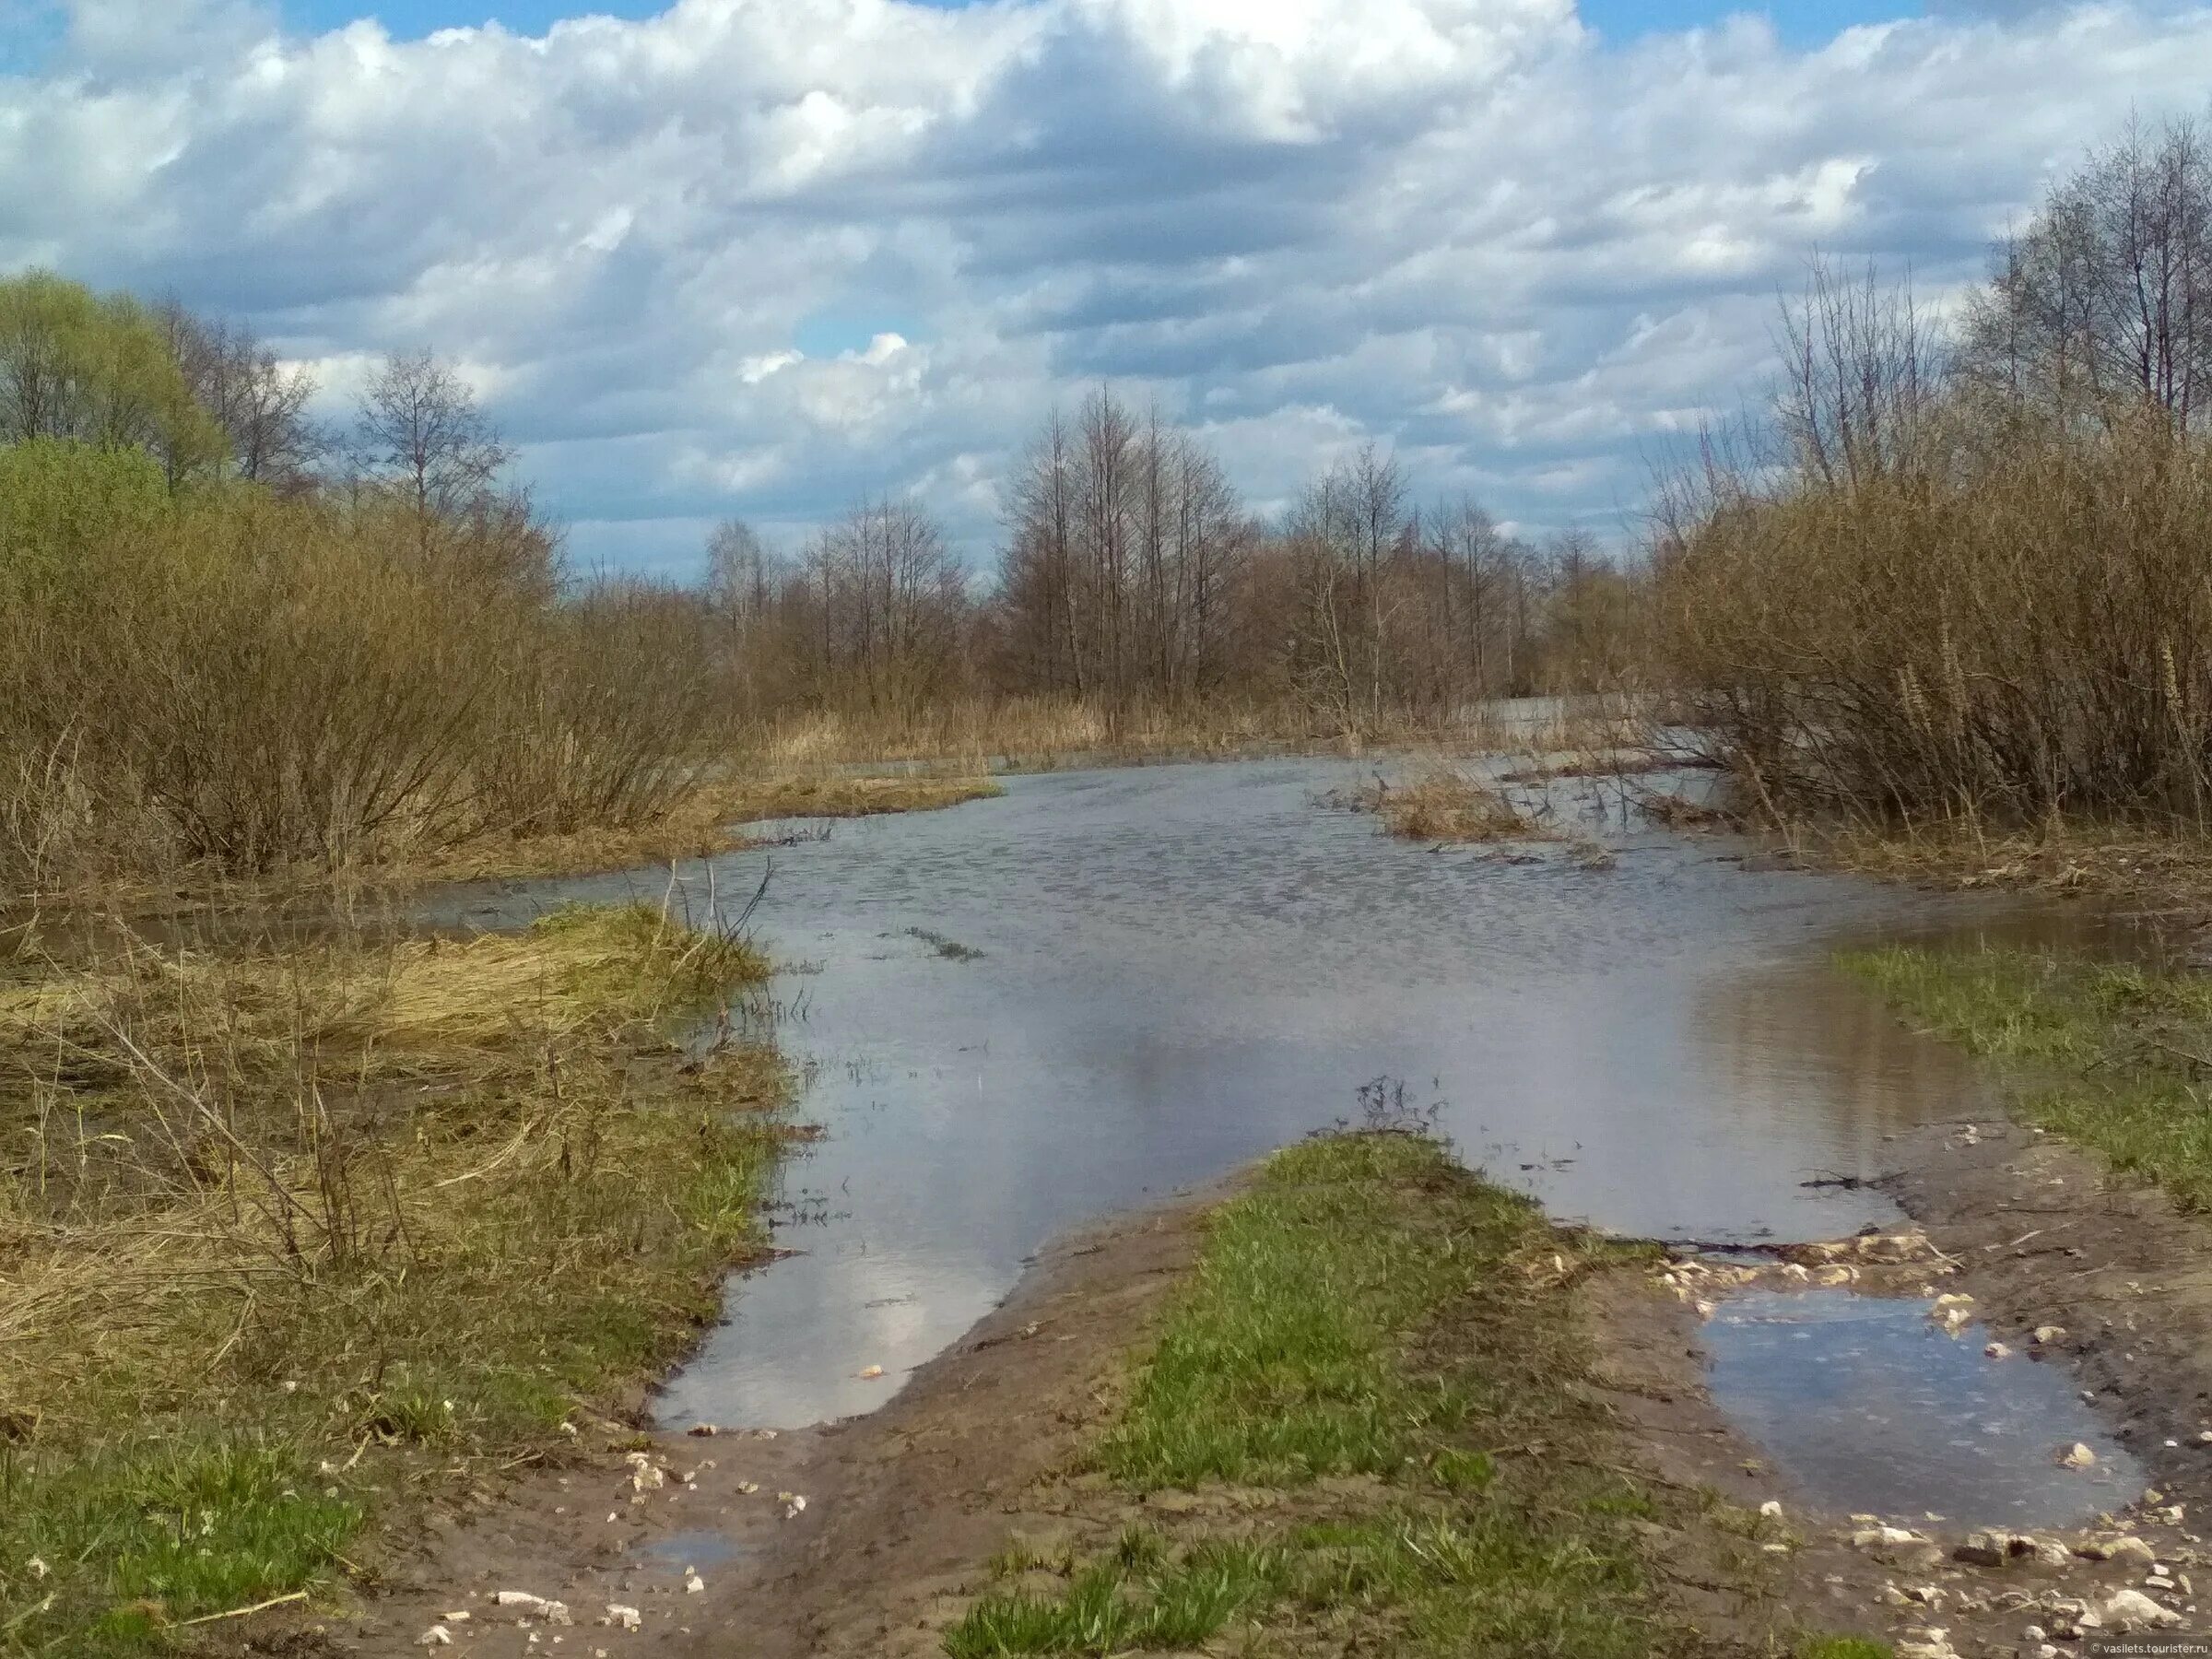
(757, 256)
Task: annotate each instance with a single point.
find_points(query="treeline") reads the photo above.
(1133, 577)
(1967, 571)
(231, 640)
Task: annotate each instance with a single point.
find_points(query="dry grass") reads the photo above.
(2162, 869)
(290, 1232)
(709, 819)
(856, 796)
(1449, 806)
(1034, 732)
(976, 736)
(576, 972)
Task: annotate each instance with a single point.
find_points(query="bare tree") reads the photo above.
(2103, 306)
(877, 614)
(259, 402)
(1353, 522)
(1124, 542)
(1480, 566)
(1863, 377)
(740, 579)
(421, 433)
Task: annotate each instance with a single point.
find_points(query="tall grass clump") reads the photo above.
(1961, 578)
(1444, 805)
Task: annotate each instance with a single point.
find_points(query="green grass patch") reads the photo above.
(217, 1368)
(1366, 1308)
(2113, 1056)
(1291, 1354)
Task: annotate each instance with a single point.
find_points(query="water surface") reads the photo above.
(1870, 1407)
(1028, 1012)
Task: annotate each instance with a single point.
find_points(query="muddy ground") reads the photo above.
(904, 1509)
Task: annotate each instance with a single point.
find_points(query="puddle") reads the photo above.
(1025, 1012)
(1869, 1407)
(678, 1550)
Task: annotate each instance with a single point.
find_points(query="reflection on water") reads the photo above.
(677, 1552)
(1871, 1407)
(1180, 967)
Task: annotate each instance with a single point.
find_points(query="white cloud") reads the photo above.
(760, 255)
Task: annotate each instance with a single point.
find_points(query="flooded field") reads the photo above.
(1024, 1013)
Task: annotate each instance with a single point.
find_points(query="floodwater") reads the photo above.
(1025, 1012)
(1871, 1407)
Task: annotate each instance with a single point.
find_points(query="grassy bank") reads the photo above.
(297, 1236)
(2167, 868)
(1039, 733)
(2114, 1057)
(1364, 1427)
(708, 820)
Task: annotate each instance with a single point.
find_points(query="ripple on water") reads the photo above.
(1870, 1407)
(1167, 971)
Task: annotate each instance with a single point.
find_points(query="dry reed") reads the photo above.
(1449, 806)
(290, 1221)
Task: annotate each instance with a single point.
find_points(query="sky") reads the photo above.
(760, 258)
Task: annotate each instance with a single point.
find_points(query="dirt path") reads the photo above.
(905, 1508)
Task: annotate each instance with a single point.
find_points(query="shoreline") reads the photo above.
(908, 1506)
(925, 1490)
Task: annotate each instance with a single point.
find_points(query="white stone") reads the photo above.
(2077, 1456)
(436, 1636)
(552, 1612)
(622, 1617)
(1873, 1537)
(2130, 1611)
